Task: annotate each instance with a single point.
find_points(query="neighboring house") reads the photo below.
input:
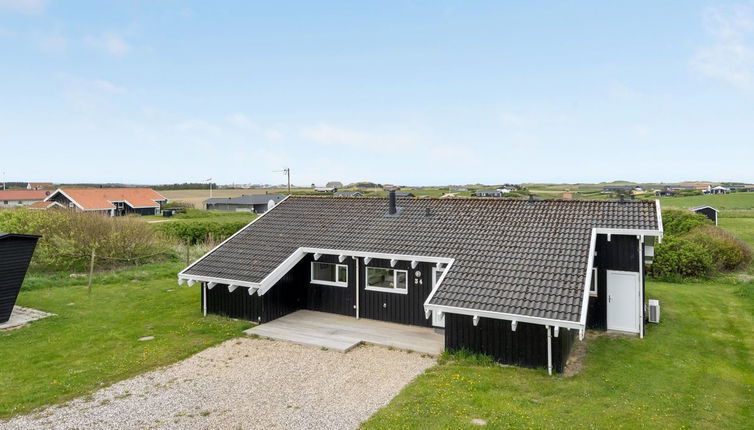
(665, 193)
(15, 198)
(518, 280)
(15, 255)
(488, 193)
(43, 205)
(110, 201)
(504, 190)
(718, 190)
(403, 194)
(707, 211)
(348, 194)
(325, 189)
(257, 203)
(40, 186)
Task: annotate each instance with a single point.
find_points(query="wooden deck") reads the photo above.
(341, 333)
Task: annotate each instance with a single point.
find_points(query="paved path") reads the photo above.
(244, 384)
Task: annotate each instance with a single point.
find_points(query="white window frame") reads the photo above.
(337, 283)
(593, 290)
(385, 289)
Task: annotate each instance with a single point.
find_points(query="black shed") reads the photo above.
(707, 211)
(15, 254)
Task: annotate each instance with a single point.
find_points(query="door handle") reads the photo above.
(609, 298)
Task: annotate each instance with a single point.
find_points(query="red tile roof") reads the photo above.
(24, 194)
(102, 198)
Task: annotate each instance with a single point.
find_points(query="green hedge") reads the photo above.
(200, 231)
(693, 248)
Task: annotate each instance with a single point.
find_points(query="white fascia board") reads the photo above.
(588, 279)
(377, 255)
(628, 231)
(215, 280)
(659, 220)
(505, 316)
(280, 271)
(181, 273)
(437, 284)
(134, 207)
(69, 198)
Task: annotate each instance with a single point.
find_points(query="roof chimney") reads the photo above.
(622, 198)
(391, 206)
(428, 211)
(531, 198)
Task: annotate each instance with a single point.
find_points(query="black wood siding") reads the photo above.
(329, 298)
(709, 213)
(15, 255)
(526, 347)
(621, 253)
(286, 296)
(394, 307)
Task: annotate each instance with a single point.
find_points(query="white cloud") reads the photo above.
(24, 6)
(327, 134)
(109, 87)
(111, 43)
(54, 44)
(730, 56)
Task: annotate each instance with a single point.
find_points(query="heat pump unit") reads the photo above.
(654, 311)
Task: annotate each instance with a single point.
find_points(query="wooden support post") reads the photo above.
(91, 273)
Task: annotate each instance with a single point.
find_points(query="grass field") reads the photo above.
(694, 370)
(197, 215)
(728, 202)
(92, 341)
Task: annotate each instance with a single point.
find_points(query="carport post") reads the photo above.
(549, 351)
(357, 286)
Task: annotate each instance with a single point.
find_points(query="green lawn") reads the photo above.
(192, 215)
(93, 341)
(734, 201)
(739, 226)
(695, 369)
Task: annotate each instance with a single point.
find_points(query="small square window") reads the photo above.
(329, 274)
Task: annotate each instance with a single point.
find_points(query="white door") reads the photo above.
(437, 321)
(623, 301)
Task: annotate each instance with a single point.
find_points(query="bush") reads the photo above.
(726, 251)
(68, 238)
(677, 221)
(200, 231)
(693, 248)
(679, 257)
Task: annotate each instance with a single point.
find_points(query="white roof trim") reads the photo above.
(659, 219)
(588, 280)
(505, 316)
(703, 207)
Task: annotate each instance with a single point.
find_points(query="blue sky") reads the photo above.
(405, 92)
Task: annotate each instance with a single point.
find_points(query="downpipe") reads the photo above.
(549, 351)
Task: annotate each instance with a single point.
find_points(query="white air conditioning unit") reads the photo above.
(654, 311)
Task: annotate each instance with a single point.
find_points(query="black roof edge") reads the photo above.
(28, 236)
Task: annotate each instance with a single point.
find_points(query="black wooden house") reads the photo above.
(519, 280)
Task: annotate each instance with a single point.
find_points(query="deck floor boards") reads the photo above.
(341, 333)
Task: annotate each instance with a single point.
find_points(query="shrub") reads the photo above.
(726, 251)
(68, 238)
(677, 221)
(680, 257)
(200, 231)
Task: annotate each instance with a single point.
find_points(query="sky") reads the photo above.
(405, 92)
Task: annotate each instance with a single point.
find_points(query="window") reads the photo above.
(329, 274)
(387, 280)
(593, 287)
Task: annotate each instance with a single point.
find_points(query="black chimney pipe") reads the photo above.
(391, 208)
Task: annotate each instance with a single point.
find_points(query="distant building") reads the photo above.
(718, 190)
(334, 184)
(504, 190)
(110, 201)
(325, 189)
(40, 186)
(403, 194)
(389, 187)
(348, 194)
(621, 188)
(15, 198)
(707, 211)
(256, 203)
(665, 193)
(488, 193)
(457, 188)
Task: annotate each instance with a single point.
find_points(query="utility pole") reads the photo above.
(287, 171)
(210, 186)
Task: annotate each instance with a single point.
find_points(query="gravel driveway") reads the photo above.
(244, 384)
